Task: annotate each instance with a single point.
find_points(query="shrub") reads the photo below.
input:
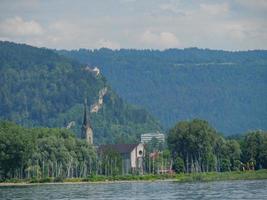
(59, 179)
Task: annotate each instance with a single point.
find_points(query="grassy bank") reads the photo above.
(193, 177)
(223, 176)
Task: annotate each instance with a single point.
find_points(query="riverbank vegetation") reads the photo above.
(195, 152)
(182, 177)
(197, 147)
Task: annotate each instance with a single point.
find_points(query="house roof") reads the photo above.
(120, 148)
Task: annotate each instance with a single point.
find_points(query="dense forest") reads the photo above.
(42, 88)
(197, 147)
(193, 147)
(225, 88)
(46, 152)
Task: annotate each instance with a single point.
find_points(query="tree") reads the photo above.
(178, 165)
(233, 153)
(254, 147)
(111, 162)
(15, 149)
(193, 142)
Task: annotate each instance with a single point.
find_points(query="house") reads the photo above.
(132, 155)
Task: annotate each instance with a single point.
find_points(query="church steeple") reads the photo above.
(87, 132)
(85, 116)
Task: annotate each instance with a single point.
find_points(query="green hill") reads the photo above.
(42, 88)
(227, 89)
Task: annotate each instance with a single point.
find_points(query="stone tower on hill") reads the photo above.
(87, 131)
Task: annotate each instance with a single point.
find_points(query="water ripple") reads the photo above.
(139, 190)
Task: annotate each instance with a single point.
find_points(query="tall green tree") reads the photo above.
(193, 141)
(254, 147)
(200, 148)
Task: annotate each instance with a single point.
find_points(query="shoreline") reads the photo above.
(3, 184)
(179, 178)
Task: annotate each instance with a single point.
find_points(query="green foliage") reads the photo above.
(39, 153)
(178, 165)
(201, 148)
(111, 162)
(225, 165)
(46, 180)
(210, 176)
(41, 88)
(223, 176)
(155, 145)
(59, 179)
(15, 148)
(254, 149)
(224, 88)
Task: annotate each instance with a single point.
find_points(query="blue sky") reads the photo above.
(141, 24)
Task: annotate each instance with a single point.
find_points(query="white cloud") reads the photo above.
(108, 44)
(253, 4)
(64, 31)
(18, 27)
(160, 40)
(229, 24)
(235, 31)
(215, 9)
(169, 7)
(128, 1)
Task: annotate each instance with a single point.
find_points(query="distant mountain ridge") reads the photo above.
(42, 88)
(226, 88)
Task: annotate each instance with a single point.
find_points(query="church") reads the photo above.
(131, 154)
(87, 131)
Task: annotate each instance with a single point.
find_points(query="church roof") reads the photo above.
(120, 148)
(86, 118)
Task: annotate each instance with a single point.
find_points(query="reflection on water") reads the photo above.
(140, 190)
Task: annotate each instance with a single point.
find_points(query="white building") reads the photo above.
(132, 155)
(145, 138)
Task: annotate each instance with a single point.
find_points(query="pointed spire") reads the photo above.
(87, 132)
(85, 120)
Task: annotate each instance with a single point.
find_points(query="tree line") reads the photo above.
(42, 152)
(197, 147)
(193, 146)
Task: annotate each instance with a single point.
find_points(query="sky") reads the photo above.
(140, 24)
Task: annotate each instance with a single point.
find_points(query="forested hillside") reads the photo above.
(227, 89)
(41, 88)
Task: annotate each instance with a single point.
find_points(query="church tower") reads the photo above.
(87, 131)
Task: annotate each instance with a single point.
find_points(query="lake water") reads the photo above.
(140, 190)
